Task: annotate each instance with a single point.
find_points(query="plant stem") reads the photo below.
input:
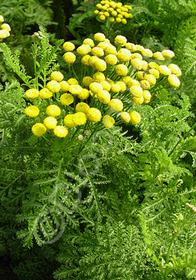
(171, 152)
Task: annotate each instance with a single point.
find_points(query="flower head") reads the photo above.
(38, 129)
(32, 111)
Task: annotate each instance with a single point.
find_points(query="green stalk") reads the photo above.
(171, 152)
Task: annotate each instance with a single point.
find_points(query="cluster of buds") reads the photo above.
(114, 11)
(118, 80)
(4, 29)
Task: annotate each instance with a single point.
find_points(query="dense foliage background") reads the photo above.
(122, 203)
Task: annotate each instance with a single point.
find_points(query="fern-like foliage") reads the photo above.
(109, 251)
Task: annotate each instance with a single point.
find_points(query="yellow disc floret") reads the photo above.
(66, 99)
(45, 93)
(32, 111)
(57, 76)
(116, 105)
(53, 110)
(60, 131)
(50, 122)
(108, 121)
(121, 69)
(135, 117)
(69, 57)
(38, 129)
(53, 86)
(68, 46)
(32, 93)
(94, 115)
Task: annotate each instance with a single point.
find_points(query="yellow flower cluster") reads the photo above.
(114, 11)
(119, 78)
(4, 29)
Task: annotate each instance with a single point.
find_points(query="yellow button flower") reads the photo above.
(136, 91)
(115, 88)
(121, 69)
(140, 75)
(83, 49)
(145, 84)
(173, 80)
(163, 69)
(131, 47)
(64, 86)
(45, 93)
(98, 77)
(53, 86)
(85, 60)
(1, 19)
(32, 93)
(116, 105)
(126, 79)
(133, 82)
(154, 72)
(137, 100)
(79, 118)
(147, 96)
(32, 111)
(72, 81)
(136, 63)
(57, 76)
(122, 86)
(104, 96)
(82, 107)
(168, 54)
(105, 85)
(111, 59)
(4, 34)
(87, 80)
(38, 129)
(68, 46)
(147, 53)
(50, 122)
(108, 121)
(100, 65)
(94, 115)
(95, 87)
(69, 57)
(110, 49)
(92, 60)
(123, 55)
(6, 26)
(60, 131)
(125, 116)
(84, 94)
(99, 37)
(53, 110)
(154, 65)
(159, 56)
(97, 51)
(69, 121)
(66, 99)
(124, 21)
(135, 117)
(144, 65)
(151, 79)
(75, 89)
(89, 42)
(175, 69)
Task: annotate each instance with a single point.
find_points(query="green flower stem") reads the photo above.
(72, 68)
(188, 132)
(82, 147)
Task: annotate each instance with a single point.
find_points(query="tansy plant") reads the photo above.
(110, 11)
(4, 28)
(106, 84)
